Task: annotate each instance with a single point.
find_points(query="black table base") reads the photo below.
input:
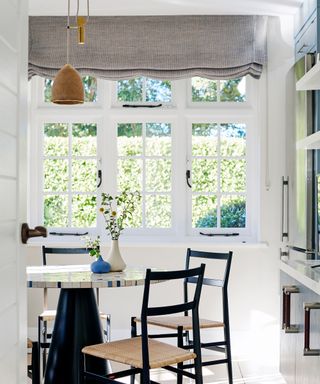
(77, 324)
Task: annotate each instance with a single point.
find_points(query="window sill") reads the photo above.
(153, 242)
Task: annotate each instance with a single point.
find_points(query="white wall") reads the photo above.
(254, 281)
(13, 102)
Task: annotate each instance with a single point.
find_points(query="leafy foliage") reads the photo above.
(58, 174)
(233, 215)
(142, 89)
(117, 209)
(205, 90)
(94, 245)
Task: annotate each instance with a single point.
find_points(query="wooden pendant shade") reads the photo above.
(67, 86)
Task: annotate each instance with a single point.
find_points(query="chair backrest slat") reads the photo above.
(62, 251)
(170, 309)
(207, 281)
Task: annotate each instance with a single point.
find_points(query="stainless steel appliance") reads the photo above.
(299, 222)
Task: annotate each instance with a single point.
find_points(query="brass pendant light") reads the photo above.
(67, 86)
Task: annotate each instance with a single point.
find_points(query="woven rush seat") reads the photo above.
(29, 343)
(48, 315)
(173, 322)
(129, 351)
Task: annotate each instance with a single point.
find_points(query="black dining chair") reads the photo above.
(143, 353)
(48, 315)
(182, 325)
(33, 369)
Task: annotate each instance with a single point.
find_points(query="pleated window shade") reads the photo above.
(163, 47)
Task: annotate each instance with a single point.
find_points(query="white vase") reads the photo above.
(114, 257)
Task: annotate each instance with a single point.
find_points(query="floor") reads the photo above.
(244, 372)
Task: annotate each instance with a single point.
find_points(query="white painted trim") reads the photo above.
(107, 113)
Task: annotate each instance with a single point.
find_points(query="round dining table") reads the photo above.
(77, 322)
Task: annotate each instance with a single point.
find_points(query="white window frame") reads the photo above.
(181, 113)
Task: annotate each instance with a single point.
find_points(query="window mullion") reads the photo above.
(144, 196)
(219, 178)
(70, 176)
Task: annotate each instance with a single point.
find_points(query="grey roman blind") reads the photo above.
(164, 47)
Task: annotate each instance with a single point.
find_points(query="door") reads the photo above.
(13, 127)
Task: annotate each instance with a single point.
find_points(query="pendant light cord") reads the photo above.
(78, 6)
(68, 33)
(69, 26)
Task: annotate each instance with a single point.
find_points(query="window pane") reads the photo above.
(204, 211)
(233, 212)
(130, 174)
(56, 139)
(204, 175)
(158, 211)
(158, 139)
(84, 139)
(130, 90)
(129, 139)
(233, 90)
(233, 175)
(55, 211)
(84, 175)
(55, 175)
(89, 86)
(233, 139)
(204, 139)
(135, 221)
(158, 91)
(204, 89)
(158, 175)
(84, 213)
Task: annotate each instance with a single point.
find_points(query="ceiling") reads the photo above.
(167, 7)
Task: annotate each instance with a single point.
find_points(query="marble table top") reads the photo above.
(80, 276)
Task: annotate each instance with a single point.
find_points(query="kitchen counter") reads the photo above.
(301, 271)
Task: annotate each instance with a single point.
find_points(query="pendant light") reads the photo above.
(67, 86)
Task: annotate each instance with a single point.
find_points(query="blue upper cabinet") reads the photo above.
(307, 28)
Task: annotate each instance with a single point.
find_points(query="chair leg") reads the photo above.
(44, 331)
(42, 338)
(134, 334)
(108, 328)
(35, 363)
(228, 353)
(180, 345)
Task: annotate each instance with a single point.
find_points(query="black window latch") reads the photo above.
(219, 234)
(188, 176)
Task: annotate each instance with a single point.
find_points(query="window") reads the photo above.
(69, 174)
(188, 146)
(218, 153)
(144, 164)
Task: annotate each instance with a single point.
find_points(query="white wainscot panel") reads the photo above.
(8, 242)
(8, 111)
(8, 67)
(8, 162)
(8, 330)
(8, 202)
(7, 19)
(8, 367)
(8, 284)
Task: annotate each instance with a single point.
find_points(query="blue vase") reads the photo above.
(100, 266)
